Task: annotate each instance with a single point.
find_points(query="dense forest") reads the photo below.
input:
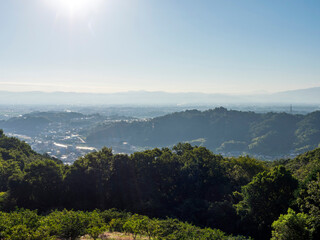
(185, 192)
(220, 130)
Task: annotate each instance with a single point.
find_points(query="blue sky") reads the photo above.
(226, 46)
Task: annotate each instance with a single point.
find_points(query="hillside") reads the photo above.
(239, 196)
(222, 131)
(14, 156)
(304, 164)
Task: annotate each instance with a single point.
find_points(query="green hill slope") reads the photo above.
(238, 195)
(222, 131)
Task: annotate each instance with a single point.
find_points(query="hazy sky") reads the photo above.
(229, 46)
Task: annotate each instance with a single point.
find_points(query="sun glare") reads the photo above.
(75, 7)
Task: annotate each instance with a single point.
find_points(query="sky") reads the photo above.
(211, 46)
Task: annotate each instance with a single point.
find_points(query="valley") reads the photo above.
(68, 135)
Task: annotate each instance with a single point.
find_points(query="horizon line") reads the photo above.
(160, 91)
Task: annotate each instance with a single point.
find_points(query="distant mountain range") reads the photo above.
(301, 96)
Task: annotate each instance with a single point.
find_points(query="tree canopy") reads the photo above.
(239, 195)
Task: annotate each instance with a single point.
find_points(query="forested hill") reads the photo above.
(220, 130)
(17, 153)
(240, 196)
(304, 165)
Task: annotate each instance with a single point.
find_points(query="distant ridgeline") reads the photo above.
(220, 130)
(240, 196)
(36, 122)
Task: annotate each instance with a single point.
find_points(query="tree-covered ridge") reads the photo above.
(29, 225)
(219, 130)
(15, 156)
(304, 164)
(239, 196)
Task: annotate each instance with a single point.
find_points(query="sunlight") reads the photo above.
(75, 7)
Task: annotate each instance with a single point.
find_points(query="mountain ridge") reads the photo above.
(302, 96)
(220, 130)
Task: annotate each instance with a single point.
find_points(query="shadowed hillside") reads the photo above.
(220, 130)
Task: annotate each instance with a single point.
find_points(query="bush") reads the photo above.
(291, 226)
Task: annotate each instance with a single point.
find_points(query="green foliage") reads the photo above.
(69, 224)
(108, 215)
(242, 169)
(15, 156)
(310, 198)
(266, 197)
(92, 173)
(186, 182)
(304, 164)
(96, 224)
(19, 232)
(3, 198)
(292, 226)
(26, 224)
(135, 225)
(19, 225)
(39, 187)
(116, 224)
(7, 169)
(309, 202)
